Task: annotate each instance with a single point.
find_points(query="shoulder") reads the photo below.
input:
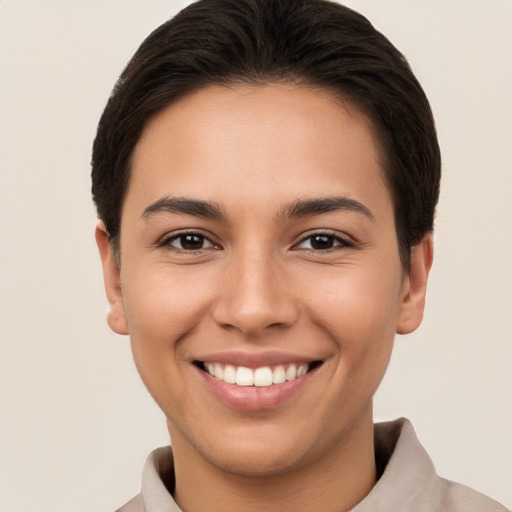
(409, 481)
(456, 497)
(134, 505)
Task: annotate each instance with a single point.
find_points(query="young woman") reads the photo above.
(266, 174)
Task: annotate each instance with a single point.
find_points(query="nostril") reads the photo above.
(256, 316)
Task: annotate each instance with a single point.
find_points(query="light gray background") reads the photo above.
(75, 422)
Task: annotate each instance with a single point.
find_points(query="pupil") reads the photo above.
(322, 242)
(191, 242)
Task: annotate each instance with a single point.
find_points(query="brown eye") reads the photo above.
(319, 242)
(323, 242)
(189, 242)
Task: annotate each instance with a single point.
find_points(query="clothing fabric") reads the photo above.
(408, 482)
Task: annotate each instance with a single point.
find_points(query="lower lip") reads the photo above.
(254, 398)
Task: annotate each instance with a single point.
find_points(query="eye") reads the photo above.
(323, 242)
(188, 242)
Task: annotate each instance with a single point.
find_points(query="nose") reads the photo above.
(255, 295)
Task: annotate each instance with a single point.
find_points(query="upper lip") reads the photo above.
(255, 360)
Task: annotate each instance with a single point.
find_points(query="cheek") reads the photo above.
(163, 306)
(359, 307)
(162, 311)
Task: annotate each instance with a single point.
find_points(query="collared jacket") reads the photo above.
(409, 482)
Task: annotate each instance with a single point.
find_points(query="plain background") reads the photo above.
(75, 421)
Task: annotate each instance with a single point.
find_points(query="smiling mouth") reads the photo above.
(263, 376)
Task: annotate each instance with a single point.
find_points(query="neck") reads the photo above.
(334, 482)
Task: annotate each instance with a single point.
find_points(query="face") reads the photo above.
(260, 279)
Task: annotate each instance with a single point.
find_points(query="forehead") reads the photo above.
(238, 141)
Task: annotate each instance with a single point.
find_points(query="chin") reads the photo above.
(256, 461)
(264, 450)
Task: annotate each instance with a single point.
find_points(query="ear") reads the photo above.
(116, 317)
(415, 286)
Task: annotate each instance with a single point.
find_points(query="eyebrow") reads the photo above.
(299, 208)
(318, 206)
(184, 206)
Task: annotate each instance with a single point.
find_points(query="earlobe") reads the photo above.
(116, 317)
(413, 300)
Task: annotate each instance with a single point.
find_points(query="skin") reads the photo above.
(259, 282)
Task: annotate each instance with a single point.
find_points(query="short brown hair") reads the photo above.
(315, 43)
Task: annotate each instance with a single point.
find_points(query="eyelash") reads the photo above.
(331, 238)
(167, 242)
(339, 242)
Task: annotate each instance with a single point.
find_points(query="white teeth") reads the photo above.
(244, 376)
(302, 370)
(279, 375)
(229, 374)
(261, 377)
(219, 371)
(291, 373)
